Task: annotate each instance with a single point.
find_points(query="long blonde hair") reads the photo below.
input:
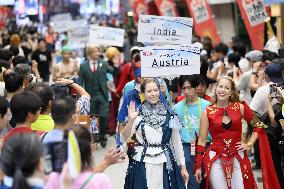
(234, 96)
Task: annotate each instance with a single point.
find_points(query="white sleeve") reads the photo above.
(178, 146)
(257, 101)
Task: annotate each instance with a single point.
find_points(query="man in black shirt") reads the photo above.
(43, 57)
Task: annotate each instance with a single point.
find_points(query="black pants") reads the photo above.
(276, 157)
(257, 154)
(99, 105)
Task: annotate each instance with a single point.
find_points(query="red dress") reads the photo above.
(224, 142)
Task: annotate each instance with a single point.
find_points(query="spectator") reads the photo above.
(4, 107)
(240, 48)
(24, 71)
(21, 162)
(62, 112)
(13, 84)
(18, 60)
(44, 59)
(44, 121)
(88, 175)
(25, 108)
(242, 81)
(15, 40)
(14, 50)
(5, 58)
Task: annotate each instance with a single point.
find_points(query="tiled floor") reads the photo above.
(117, 172)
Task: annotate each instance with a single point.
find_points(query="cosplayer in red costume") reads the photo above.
(226, 162)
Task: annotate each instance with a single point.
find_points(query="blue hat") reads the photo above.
(274, 73)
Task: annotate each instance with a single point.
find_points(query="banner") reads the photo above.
(163, 29)
(166, 7)
(254, 13)
(204, 23)
(5, 13)
(139, 8)
(78, 37)
(106, 36)
(162, 61)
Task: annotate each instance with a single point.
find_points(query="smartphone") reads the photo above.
(273, 90)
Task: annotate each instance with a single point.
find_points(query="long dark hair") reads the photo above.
(84, 138)
(20, 157)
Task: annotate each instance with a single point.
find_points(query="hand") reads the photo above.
(34, 66)
(184, 174)
(114, 155)
(256, 66)
(242, 146)
(132, 111)
(261, 73)
(63, 81)
(65, 178)
(197, 175)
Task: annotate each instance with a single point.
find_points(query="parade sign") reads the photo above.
(254, 14)
(139, 7)
(163, 61)
(163, 29)
(5, 12)
(166, 7)
(204, 23)
(61, 17)
(78, 36)
(106, 36)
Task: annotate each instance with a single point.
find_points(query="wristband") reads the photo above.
(200, 150)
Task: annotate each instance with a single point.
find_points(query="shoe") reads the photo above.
(103, 143)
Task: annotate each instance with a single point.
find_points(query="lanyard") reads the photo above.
(186, 113)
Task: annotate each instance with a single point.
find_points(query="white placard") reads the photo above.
(61, 26)
(78, 37)
(162, 61)
(164, 30)
(106, 36)
(61, 17)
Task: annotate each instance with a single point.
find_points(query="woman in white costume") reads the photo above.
(153, 129)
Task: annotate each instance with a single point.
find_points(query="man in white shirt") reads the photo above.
(273, 74)
(242, 84)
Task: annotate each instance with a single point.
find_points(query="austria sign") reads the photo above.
(162, 61)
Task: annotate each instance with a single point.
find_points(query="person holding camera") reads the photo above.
(260, 105)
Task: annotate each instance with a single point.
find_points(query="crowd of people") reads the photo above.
(208, 130)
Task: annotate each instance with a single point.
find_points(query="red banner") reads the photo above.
(203, 21)
(139, 7)
(166, 7)
(254, 13)
(5, 13)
